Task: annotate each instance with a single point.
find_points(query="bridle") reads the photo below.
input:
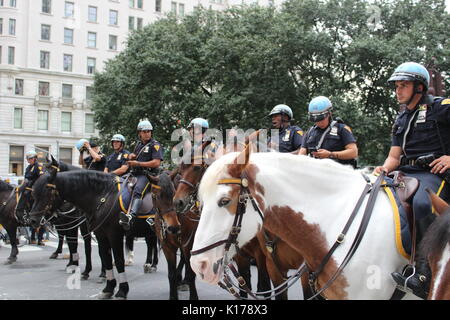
(192, 204)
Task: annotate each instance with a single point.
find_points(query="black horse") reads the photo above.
(97, 195)
(8, 203)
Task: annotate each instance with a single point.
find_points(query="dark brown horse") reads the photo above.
(8, 203)
(172, 235)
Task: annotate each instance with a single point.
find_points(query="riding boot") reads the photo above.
(419, 282)
(125, 219)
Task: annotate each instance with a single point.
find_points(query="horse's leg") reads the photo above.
(179, 272)
(171, 256)
(129, 244)
(72, 243)
(12, 234)
(87, 250)
(58, 250)
(190, 277)
(116, 239)
(105, 255)
(148, 261)
(263, 276)
(277, 279)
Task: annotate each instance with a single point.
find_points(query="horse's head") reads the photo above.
(191, 174)
(224, 193)
(163, 191)
(46, 198)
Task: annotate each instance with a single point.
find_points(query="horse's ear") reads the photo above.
(438, 204)
(153, 179)
(252, 140)
(173, 173)
(241, 161)
(52, 175)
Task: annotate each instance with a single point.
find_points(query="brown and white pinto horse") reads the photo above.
(305, 202)
(436, 247)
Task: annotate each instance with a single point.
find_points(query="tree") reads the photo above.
(232, 67)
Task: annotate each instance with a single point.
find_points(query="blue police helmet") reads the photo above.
(31, 154)
(144, 125)
(411, 71)
(80, 143)
(282, 109)
(319, 108)
(200, 122)
(118, 137)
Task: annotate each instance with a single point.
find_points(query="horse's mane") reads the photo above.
(167, 188)
(67, 167)
(4, 186)
(215, 171)
(80, 182)
(437, 235)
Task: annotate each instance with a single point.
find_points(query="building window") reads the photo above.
(42, 119)
(131, 3)
(11, 55)
(92, 39)
(140, 4)
(89, 126)
(66, 90)
(113, 17)
(45, 32)
(16, 156)
(19, 87)
(1, 25)
(65, 155)
(12, 27)
(92, 14)
(17, 118)
(66, 121)
(181, 9)
(0, 54)
(47, 6)
(158, 5)
(45, 60)
(42, 153)
(140, 23)
(174, 8)
(130, 23)
(112, 42)
(68, 60)
(89, 93)
(69, 9)
(90, 65)
(68, 36)
(44, 88)
(12, 3)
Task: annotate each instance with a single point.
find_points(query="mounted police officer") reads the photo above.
(290, 137)
(116, 162)
(33, 171)
(145, 159)
(91, 158)
(197, 129)
(420, 148)
(328, 138)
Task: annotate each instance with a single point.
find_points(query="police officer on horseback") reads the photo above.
(420, 148)
(145, 159)
(328, 138)
(197, 129)
(116, 162)
(95, 159)
(33, 171)
(290, 137)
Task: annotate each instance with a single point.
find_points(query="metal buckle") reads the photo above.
(150, 221)
(341, 238)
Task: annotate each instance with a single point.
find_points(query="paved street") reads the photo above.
(35, 277)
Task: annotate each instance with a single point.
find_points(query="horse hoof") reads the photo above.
(129, 262)
(54, 255)
(71, 269)
(147, 268)
(101, 280)
(183, 287)
(84, 276)
(105, 295)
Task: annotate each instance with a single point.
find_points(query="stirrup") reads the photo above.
(404, 287)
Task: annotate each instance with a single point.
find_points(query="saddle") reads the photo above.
(127, 184)
(405, 188)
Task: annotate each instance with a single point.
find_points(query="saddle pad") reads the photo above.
(125, 193)
(402, 234)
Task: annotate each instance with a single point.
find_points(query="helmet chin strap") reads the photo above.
(415, 92)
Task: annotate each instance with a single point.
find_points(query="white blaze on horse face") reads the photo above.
(442, 266)
(215, 223)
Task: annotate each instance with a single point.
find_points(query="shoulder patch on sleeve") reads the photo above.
(156, 147)
(300, 132)
(125, 155)
(445, 101)
(348, 128)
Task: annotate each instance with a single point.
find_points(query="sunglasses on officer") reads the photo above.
(316, 117)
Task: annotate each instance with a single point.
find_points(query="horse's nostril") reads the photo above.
(173, 230)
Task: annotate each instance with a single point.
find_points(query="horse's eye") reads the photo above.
(224, 202)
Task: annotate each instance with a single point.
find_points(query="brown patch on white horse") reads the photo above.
(300, 232)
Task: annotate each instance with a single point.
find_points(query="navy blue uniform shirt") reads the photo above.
(289, 139)
(117, 159)
(33, 171)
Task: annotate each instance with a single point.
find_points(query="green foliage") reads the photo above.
(232, 67)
